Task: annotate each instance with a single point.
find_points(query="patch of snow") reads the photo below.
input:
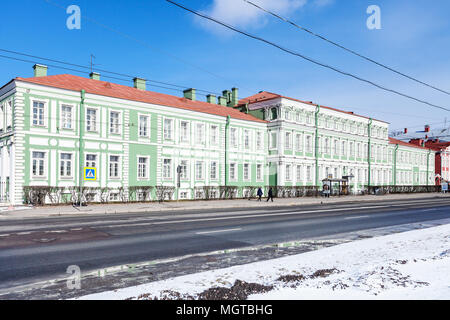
(408, 265)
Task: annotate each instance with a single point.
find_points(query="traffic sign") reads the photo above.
(90, 174)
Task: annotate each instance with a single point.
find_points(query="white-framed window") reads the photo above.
(232, 171)
(114, 165)
(167, 168)
(246, 139)
(67, 117)
(200, 133)
(114, 122)
(259, 172)
(352, 149)
(184, 169)
(91, 160)
(144, 126)
(336, 148)
(184, 131)
(213, 170)
(309, 144)
(233, 137)
(327, 146)
(199, 170)
(65, 165)
(259, 142)
(308, 174)
(168, 129)
(299, 142)
(288, 172)
(287, 115)
(214, 135)
(143, 166)
(299, 173)
(9, 115)
(91, 119)
(38, 159)
(288, 144)
(273, 140)
(246, 171)
(344, 149)
(38, 113)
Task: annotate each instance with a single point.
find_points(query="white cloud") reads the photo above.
(241, 14)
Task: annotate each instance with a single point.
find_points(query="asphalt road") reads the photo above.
(32, 250)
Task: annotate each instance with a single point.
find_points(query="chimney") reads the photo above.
(417, 142)
(139, 83)
(234, 97)
(210, 98)
(189, 94)
(223, 101)
(94, 75)
(40, 70)
(227, 95)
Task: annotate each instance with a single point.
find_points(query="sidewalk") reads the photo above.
(51, 211)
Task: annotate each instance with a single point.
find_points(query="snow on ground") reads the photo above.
(408, 265)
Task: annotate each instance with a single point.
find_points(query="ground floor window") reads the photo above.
(65, 168)
(38, 159)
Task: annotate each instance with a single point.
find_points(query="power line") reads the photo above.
(100, 70)
(305, 57)
(146, 44)
(344, 48)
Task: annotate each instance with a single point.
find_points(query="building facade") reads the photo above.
(442, 158)
(65, 131)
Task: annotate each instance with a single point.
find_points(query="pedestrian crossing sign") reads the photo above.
(90, 174)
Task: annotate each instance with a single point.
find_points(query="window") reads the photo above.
(288, 144)
(308, 144)
(114, 166)
(65, 166)
(91, 161)
(38, 113)
(336, 147)
(144, 126)
(258, 140)
(91, 120)
(344, 148)
(66, 117)
(199, 170)
(246, 139)
(183, 169)
(200, 133)
(38, 159)
(352, 149)
(287, 115)
(288, 172)
(232, 171)
(308, 173)
(259, 172)
(167, 168)
(9, 115)
(327, 146)
(114, 122)
(168, 129)
(213, 170)
(184, 131)
(214, 135)
(233, 137)
(142, 167)
(246, 171)
(299, 173)
(273, 140)
(298, 142)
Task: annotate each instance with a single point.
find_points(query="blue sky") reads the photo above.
(167, 44)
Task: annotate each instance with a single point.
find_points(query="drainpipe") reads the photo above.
(428, 166)
(369, 132)
(317, 143)
(227, 125)
(80, 146)
(395, 164)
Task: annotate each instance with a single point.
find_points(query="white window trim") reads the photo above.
(148, 136)
(249, 178)
(120, 165)
(73, 165)
(45, 175)
(97, 120)
(236, 175)
(188, 137)
(147, 171)
(172, 138)
(120, 124)
(46, 103)
(73, 117)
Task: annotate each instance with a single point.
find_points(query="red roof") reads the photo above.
(264, 96)
(108, 89)
(441, 145)
(407, 144)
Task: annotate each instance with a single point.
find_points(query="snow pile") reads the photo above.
(409, 265)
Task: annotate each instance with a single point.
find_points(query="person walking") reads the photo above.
(270, 195)
(259, 194)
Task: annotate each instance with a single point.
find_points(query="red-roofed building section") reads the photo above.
(103, 88)
(442, 158)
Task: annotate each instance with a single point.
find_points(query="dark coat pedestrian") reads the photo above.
(259, 194)
(270, 195)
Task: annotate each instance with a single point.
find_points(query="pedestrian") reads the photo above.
(270, 195)
(259, 194)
